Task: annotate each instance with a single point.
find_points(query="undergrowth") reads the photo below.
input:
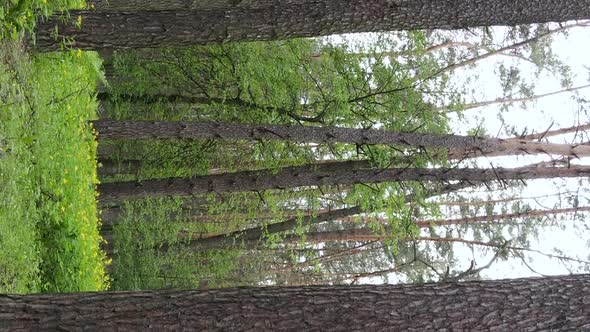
(48, 220)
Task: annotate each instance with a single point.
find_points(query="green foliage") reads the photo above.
(19, 257)
(293, 82)
(19, 16)
(48, 221)
(140, 263)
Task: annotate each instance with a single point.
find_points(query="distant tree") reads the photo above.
(549, 303)
(511, 100)
(255, 234)
(289, 19)
(485, 219)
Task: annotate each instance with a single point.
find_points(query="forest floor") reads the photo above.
(48, 214)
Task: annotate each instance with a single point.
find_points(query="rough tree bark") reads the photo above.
(462, 145)
(138, 5)
(108, 189)
(343, 173)
(296, 18)
(535, 304)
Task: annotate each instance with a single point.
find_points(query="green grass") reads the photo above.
(48, 220)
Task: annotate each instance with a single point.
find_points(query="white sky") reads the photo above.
(560, 109)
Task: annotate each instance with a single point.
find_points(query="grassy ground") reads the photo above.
(48, 221)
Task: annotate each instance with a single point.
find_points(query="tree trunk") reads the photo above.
(155, 5)
(343, 173)
(394, 54)
(154, 98)
(567, 194)
(112, 167)
(510, 100)
(534, 304)
(556, 132)
(254, 234)
(463, 146)
(503, 50)
(489, 219)
(295, 18)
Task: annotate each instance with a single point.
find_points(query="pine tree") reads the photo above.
(295, 18)
(549, 303)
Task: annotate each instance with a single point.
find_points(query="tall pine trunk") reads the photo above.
(537, 304)
(295, 18)
(337, 173)
(137, 5)
(461, 146)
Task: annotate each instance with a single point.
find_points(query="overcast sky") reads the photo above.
(572, 237)
(563, 111)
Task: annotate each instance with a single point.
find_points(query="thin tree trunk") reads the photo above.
(365, 234)
(202, 100)
(319, 175)
(477, 219)
(254, 234)
(154, 98)
(502, 50)
(557, 132)
(497, 217)
(514, 100)
(535, 304)
(111, 167)
(330, 256)
(110, 217)
(139, 29)
(106, 151)
(567, 194)
(430, 49)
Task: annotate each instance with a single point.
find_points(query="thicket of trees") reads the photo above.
(303, 162)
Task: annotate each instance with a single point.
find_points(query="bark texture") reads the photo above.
(343, 173)
(463, 146)
(135, 5)
(560, 303)
(296, 18)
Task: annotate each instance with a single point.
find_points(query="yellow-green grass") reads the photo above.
(48, 223)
